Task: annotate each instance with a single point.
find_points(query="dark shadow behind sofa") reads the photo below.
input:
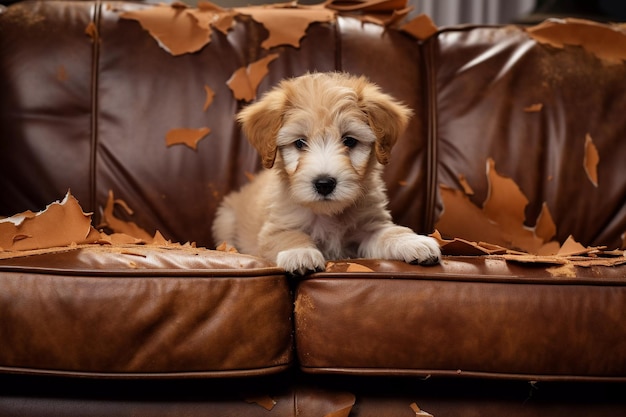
(183, 331)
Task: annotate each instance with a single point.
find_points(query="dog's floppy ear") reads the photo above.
(261, 122)
(387, 118)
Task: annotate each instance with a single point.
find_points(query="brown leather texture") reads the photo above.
(486, 78)
(196, 332)
(102, 110)
(468, 86)
(144, 312)
(468, 316)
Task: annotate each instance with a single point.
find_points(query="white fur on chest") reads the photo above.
(331, 235)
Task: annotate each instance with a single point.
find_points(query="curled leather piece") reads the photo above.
(62, 223)
(606, 42)
(286, 23)
(245, 80)
(187, 137)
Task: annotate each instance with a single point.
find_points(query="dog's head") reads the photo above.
(326, 132)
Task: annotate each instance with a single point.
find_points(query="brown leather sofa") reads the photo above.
(87, 99)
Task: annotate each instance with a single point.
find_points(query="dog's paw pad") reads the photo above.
(301, 261)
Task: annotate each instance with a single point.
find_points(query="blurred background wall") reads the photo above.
(452, 12)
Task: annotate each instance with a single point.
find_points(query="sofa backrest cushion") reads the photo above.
(531, 108)
(91, 111)
(89, 98)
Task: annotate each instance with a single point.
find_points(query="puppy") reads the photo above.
(323, 139)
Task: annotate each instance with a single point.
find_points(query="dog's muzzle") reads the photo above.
(325, 185)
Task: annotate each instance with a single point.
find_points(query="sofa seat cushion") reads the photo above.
(468, 316)
(143, 311)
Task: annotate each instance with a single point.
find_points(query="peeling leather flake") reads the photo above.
(225, 247)
(457, 208)
(119, 239)
(245, 81)
(501, 224)
(534, 108)
(92, 31)
(462, 247)
(387, 13)
(286, 23)
(264, 401)
(570, 248)
(421, 27)
(210, 15)
(525, 258)
(210, 95)
(607, 42)
(419, 412)
(505, 201)
(173, 27)
(222, 20)
(120, 226)
(385, 19)
(62, 223)
(591, 160)
(545, 228)
(466, 187)
(346, 267)
(574, 254)
(505, 205)
(187, 137)
(63, 227)
(353, 267)
(179, 29)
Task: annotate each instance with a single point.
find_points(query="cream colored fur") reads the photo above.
(323, 139)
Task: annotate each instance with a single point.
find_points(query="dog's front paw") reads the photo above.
(301, 261)
(404, 245)
(427, 251)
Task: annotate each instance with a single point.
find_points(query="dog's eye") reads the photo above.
(300, 143)
(350, 142)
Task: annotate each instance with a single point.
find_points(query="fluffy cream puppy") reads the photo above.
(323, 139)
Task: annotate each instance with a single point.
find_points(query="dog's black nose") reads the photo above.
(325, 185)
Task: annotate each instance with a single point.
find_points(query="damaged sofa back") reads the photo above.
(543, 108)
(518, 137)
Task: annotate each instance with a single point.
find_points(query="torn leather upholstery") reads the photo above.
(527, 123)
